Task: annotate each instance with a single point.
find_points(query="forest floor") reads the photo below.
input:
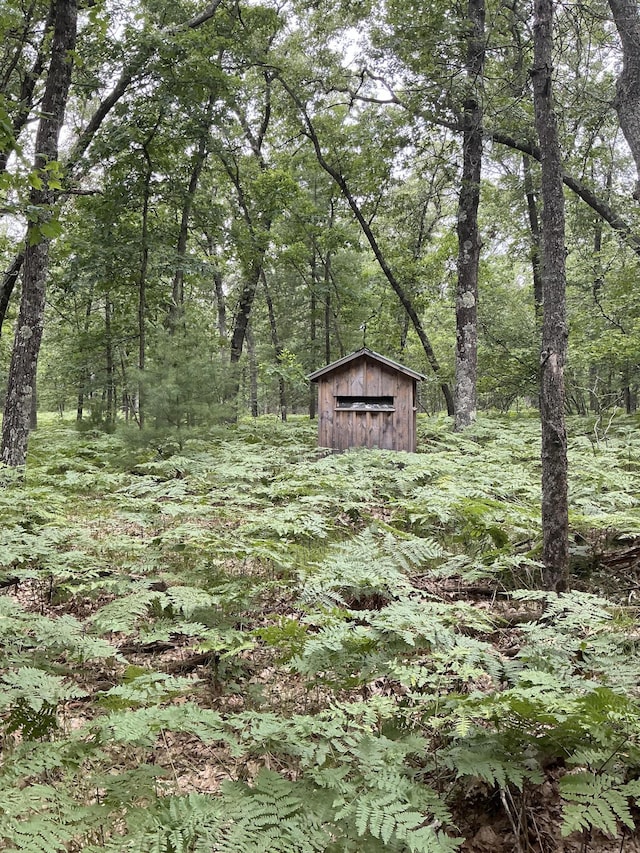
(232, 640)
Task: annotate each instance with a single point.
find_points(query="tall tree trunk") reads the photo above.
(220, 304)
(245, 305)
(277, 346)
(84, 373)
(313, 327)
(142, 281)
(534, 228)
(327, 308)
(110, 366)
(26, 347)
(33, 414)
(253, 373)
(328, 278)
(469, 241)
(555, 516)
(258, 223)
(218, 287)
(626, 16)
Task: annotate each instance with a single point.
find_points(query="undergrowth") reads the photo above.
(236, 642)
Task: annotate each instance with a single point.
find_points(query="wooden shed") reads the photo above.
(367, 400)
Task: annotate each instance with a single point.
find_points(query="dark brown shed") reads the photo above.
(367, 400)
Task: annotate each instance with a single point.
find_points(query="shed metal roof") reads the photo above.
(365, 353)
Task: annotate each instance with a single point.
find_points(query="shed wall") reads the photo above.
(388, 430)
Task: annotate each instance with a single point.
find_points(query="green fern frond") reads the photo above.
(492, 759)
(269, 815)
(595, 801)
(124, 614)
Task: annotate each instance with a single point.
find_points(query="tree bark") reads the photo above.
(245, 305)
(277, 346)
(469, 241)
(110, 419)
(555, 516)
(28, 336)
(220, 304)
(534, 228)
(8, 284)
(142, 280)
(253, 373)
(626, 16)
(327, 303)
(313, 326)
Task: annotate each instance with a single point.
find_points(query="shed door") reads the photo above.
(364, 422)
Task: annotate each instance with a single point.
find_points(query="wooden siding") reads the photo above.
(359, 427)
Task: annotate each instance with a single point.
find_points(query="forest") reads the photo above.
(218, 634)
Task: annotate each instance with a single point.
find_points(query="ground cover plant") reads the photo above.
(229, 640)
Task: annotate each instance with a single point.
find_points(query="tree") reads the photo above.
(20, 71)
(555, 514)
(469, 241)
(28, 335)
(342, 183)
(627, 102)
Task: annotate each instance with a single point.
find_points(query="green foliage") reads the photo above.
(345, 700)
(597, 802)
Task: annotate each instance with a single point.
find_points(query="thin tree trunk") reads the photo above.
(84, 376)
(534, 228)
(253, 373)
(218, 287)
(328, 278)
(277, 346)
(26, 347)
(220, 304)
(327, 308)
(33, 414)
(313, 328)
(245, 305)
(469, 241)
(555, 516)
(110, 367)
(142, 281)
(8, 284)
(258, 224)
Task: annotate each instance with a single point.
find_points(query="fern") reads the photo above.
(147, 689)
(189, 824)
(230, 522)
(596, 802)
(492, 758)
(124, 614)
(370, 564)
(269, 815)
